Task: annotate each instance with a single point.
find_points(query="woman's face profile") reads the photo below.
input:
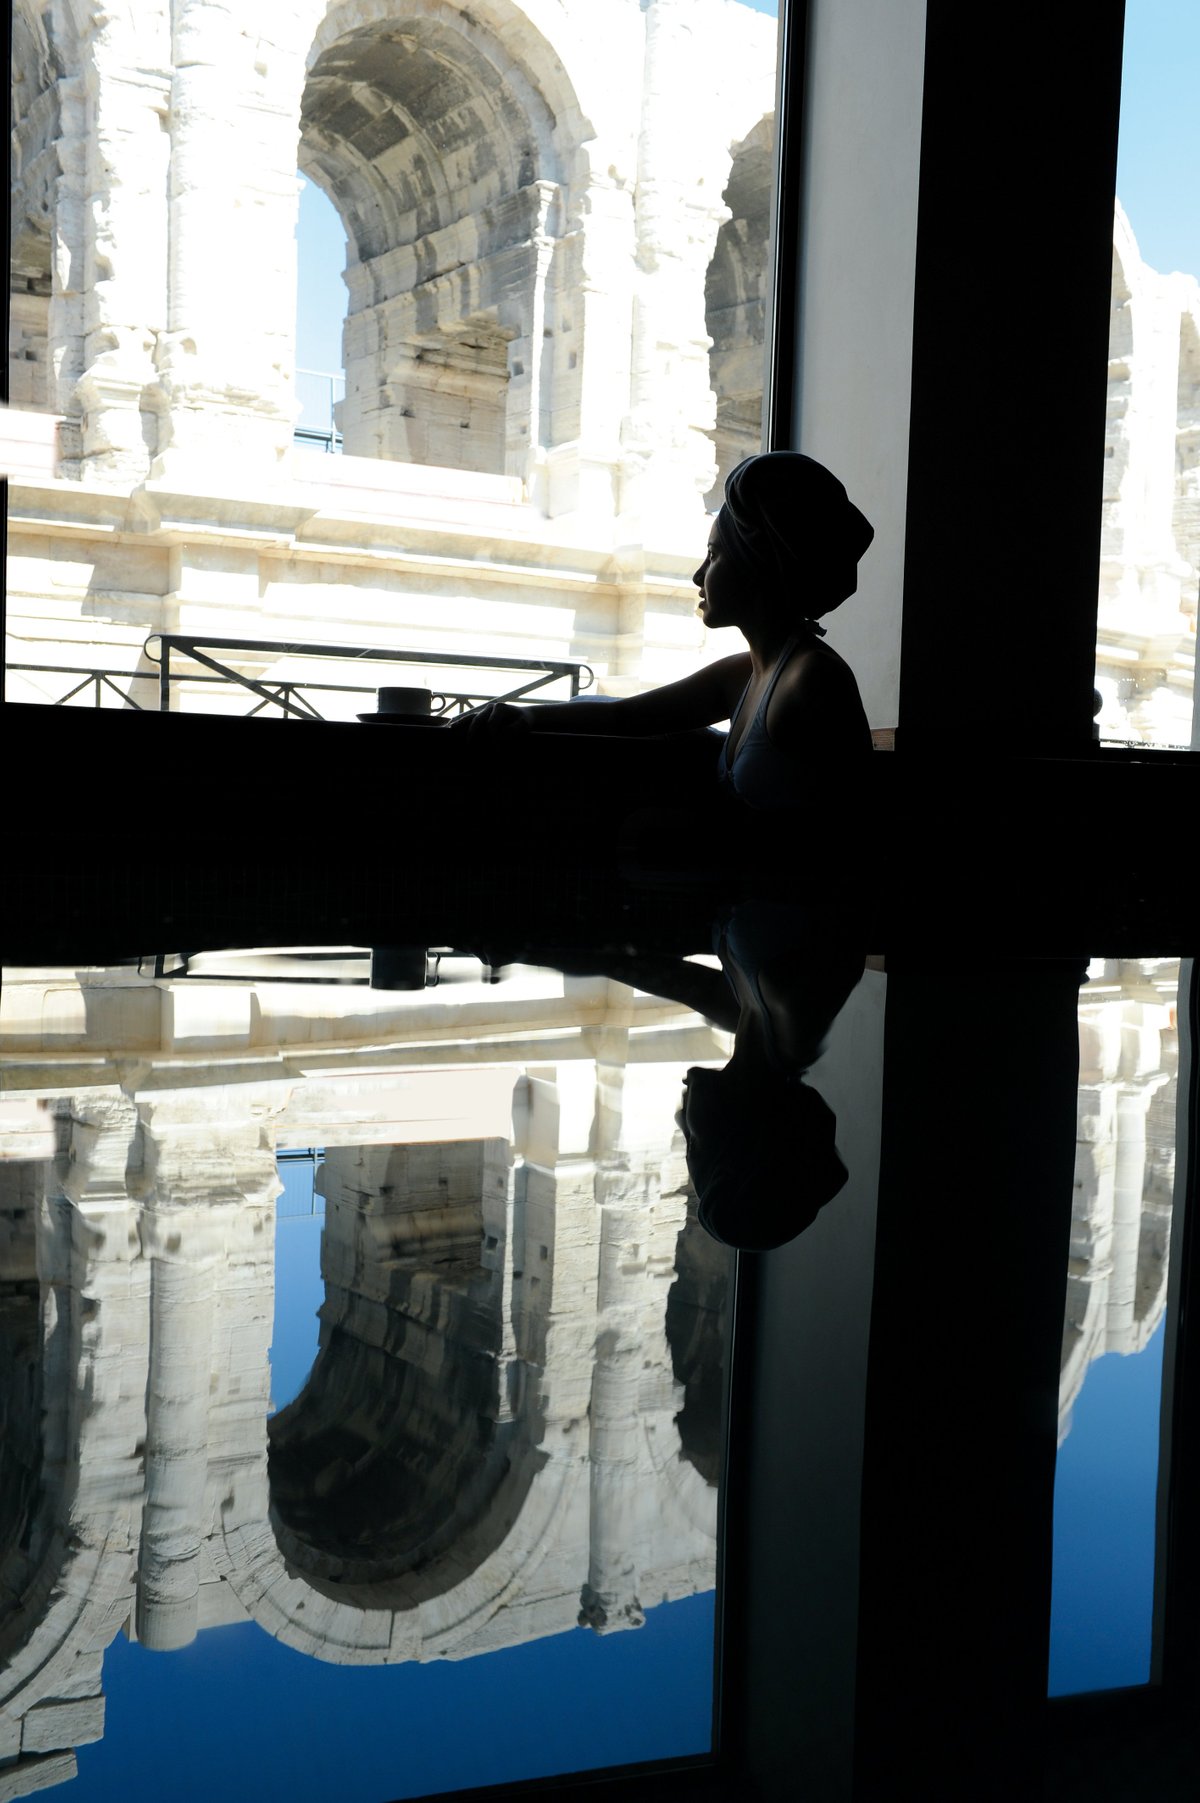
(717, 581)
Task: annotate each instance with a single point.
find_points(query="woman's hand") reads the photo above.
(497, 723)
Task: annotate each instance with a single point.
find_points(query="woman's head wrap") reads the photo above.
(764, 1161)
(789, 521)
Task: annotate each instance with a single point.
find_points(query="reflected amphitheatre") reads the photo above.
(510, 1427)
(513, 1422)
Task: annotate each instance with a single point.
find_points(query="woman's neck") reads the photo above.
(767, 641)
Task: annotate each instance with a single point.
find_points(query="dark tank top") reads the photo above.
(760, 775)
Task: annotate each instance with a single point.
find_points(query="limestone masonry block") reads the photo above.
(67, 1724)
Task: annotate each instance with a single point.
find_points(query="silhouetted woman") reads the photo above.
(783, 551)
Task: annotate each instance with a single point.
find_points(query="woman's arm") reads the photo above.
(708, 695)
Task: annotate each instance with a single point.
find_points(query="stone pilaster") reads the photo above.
(634, 1399)
(118, 248)
(206, 1172)
(225, 361)
(668, 448)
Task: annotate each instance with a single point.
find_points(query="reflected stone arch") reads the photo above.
(66, 1555)
(735, 297)
(403, 1623)
(444, 154)
(37, 69)
(416, 1431)
(399, 1500)
(1124, 1181)
(29, 1507)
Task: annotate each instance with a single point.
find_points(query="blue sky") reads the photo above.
(1158, 164)
(321, 302)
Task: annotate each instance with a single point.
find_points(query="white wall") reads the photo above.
(855, 299)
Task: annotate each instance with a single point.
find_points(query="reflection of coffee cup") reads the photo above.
(403, 706)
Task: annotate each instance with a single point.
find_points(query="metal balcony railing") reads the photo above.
(99, 679)
(192, 659)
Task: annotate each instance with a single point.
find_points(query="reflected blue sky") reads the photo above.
(1105, 1492)
(298, 1286)
(238, 1716)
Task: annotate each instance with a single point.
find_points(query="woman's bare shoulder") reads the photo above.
(816, 697)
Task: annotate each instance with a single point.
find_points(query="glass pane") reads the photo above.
(1150, 551)
(365, 1319)
(357, 1372)
(1107, 1476)
(518, 285)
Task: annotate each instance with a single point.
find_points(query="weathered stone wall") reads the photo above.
(1150, 541)
(735, 296)
(557, 221)
(38, 70)
(532, 195)
(1124, 1167)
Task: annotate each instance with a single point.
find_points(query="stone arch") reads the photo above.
(37, 69)
(735, 298)
(446, 140)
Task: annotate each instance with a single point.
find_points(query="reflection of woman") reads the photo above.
(782, 552)
(760, 1142)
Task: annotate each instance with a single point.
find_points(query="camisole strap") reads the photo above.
(759, 722)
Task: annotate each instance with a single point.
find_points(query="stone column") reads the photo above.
(1141, 1055)
(93, 1287)
(1147, 571)
(596, 266)
(92, 1384)
(609, 1599)
(205, 1160)
(226, 358)
(668, 463)
(110, 280)
(632, 1379)
(555, 1321)
(531, 394)
(181, 1296)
